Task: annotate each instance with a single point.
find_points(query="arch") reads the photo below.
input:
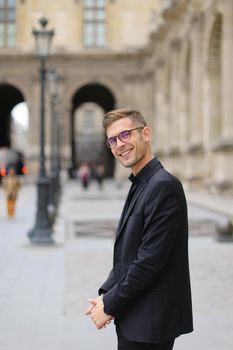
(111, 84)
(96, 93)
(18, 84)
(99, 95)
(10, 96)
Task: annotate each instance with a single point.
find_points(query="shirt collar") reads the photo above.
(146, 171)
(133, 178)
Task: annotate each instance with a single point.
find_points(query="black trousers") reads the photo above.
(124, 344)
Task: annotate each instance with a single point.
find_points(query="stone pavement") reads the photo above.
(44, 290)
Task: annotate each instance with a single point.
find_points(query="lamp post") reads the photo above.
(53, 79)
(41, 232)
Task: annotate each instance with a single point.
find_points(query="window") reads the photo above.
(94, 23)
(7, 23)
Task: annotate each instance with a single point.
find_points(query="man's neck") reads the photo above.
(138, 167)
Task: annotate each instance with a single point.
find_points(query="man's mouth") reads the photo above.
(122, 154)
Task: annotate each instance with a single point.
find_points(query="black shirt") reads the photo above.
(135, 179)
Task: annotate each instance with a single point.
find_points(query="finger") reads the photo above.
(100, 324)
(93, 301)
(93, 312)
(93, 304)
(88, 311)
(104, 326)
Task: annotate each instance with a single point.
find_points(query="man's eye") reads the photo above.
(124, 134)
(111, 140)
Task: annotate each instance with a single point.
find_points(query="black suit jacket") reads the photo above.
(148, 290)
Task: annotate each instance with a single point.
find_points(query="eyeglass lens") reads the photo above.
(124, 136)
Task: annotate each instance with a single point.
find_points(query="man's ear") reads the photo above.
(146, 133)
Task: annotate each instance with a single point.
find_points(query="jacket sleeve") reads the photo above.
(108, 284)
(163, 212)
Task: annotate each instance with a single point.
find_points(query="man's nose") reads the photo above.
(119, 142)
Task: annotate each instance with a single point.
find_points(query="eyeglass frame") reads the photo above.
(114, 138)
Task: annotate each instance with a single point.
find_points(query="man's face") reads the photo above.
(134, 153)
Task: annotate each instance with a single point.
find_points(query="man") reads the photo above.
(148, 291)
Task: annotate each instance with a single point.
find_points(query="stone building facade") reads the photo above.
(95, 53)
(170, 59)
(192, 51)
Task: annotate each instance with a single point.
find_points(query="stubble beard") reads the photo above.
(131, 162)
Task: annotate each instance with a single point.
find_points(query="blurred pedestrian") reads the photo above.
(70, 170)
(11, 185)
(84, 174)
(99, 174)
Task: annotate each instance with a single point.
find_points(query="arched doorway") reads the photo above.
(10, 96)
(89, 104)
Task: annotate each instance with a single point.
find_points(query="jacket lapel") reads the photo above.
(124, 216)
(156, 165)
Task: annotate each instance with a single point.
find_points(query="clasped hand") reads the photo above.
(97, 314)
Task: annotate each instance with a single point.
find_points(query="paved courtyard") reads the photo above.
(44, 290)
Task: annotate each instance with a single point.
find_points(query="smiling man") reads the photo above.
(147, 292)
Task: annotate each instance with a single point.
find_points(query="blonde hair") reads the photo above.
(117, 114)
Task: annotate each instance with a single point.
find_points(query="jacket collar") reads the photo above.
(141, 178)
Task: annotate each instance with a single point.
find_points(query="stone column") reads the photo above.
(196, 102)
(167, 109)
(148, 103)
(175, 91)
(223, 156)
(158, 130)
(32, 153)
(227, 69)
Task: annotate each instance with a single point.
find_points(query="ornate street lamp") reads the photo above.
(53, 79)
(41, 232)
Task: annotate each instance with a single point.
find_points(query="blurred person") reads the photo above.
(11, 185)
(70, 170)
(147, 292)
(84, 174)
(99, 174)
